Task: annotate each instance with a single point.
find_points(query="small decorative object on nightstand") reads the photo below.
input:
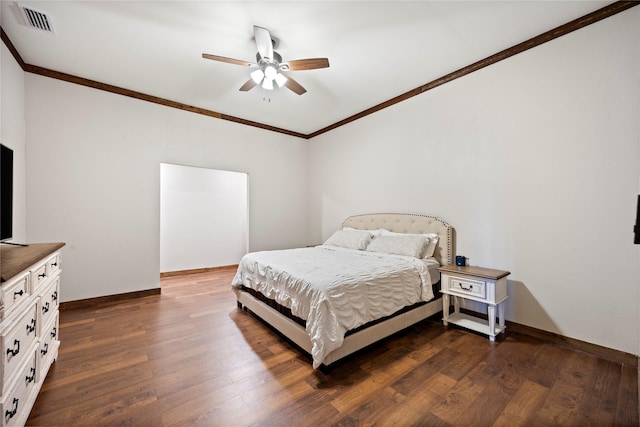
(479, 284)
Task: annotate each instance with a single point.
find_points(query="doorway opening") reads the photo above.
(203, 219)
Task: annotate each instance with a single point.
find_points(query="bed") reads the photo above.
(339, 297)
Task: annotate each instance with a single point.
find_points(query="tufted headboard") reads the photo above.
(409, 223)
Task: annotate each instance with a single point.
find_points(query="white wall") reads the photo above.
(12, 134)
(533, 160)
(94, 180)
(203, 217)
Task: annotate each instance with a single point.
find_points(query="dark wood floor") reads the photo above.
(190, 357)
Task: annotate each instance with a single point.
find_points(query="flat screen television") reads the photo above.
(6, 193)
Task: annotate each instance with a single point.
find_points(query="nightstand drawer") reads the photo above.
(470, 287)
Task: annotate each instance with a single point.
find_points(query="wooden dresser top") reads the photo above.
(14, 259)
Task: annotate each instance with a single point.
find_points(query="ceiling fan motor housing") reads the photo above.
(277, 59)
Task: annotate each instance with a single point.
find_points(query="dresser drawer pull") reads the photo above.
(18, 293)
(470, 288)
(32, 377)
(45, 307)
(42, 276)
(54, 332)
(15, 350)
(54, 296)
(54, 264)
(31, 326)
(8, 414)
(45, 350)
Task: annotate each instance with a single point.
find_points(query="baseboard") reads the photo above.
(575, 344)
(572, 343)
(92, 302)
(196, 271)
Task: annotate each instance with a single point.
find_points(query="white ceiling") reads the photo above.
(377, 50)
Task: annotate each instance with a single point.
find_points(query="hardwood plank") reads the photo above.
(604, 381)
(523, 406)
(188, 356)
(627, 402)
(570, 392)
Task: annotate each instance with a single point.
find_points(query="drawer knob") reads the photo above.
(45, 307)
(31, 326)
(45, 350)
(42, 276)
(54, 332)
(8, 414)
(54, 296)
(15, 350)
(18, 293)
(32, 377)
(54, 264)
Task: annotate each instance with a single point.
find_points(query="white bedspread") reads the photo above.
(335, 289)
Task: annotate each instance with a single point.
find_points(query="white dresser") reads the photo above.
(29, 290)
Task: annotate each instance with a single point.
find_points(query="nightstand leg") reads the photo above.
(445, 309)
(501, 315)
(491, 311)
(456, 304)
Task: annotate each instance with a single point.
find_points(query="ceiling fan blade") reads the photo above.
(228, 60)
(306, 64)
(249, 84)
(263, 42)
(294, 86)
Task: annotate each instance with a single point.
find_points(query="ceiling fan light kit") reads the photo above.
(269, 66)
(257, 75)
(280, 79)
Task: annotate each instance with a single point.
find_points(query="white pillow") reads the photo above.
(373, 233)
(351, 239)
(406, 244)
(429, 249)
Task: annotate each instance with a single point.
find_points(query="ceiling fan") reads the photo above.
(269, 65)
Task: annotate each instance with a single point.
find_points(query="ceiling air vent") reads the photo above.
(36, 19)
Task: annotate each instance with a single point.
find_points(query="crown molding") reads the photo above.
(545, 37)
(576, 24)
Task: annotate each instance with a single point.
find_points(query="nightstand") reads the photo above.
(479, 284)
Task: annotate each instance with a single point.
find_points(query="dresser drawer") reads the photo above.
(48, 304)
(16, 342)
(13, 293)
(464, 286)
(48, 349)
(54, 264)
(17, 401)
(39, 277)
